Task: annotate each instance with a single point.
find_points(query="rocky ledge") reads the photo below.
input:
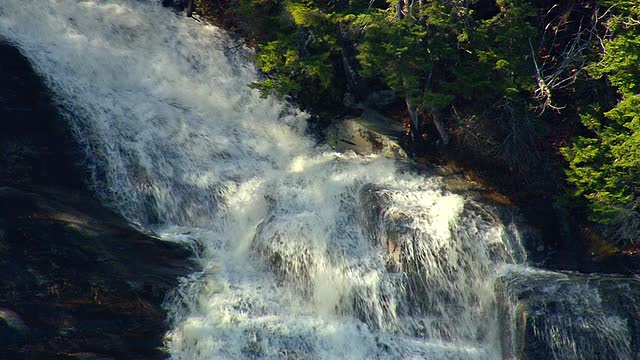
(76, 280)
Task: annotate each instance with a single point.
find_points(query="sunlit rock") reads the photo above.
(370, 133)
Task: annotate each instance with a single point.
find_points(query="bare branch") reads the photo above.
(370, 5)
(560, 70)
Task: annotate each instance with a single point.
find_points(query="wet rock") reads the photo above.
(35, 146)
(76, 280)
(551, 315)
(291, 261)
(368, 134)
(384, 228)
(603, 256)
(420, 233)
(430, 218)
(13, 331)
(82, 278)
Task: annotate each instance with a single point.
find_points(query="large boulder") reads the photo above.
(290, 260)
(552, 315)
(442, 219)
(440, 250)
(370, 133)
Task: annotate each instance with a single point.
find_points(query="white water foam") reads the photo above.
(306, 253)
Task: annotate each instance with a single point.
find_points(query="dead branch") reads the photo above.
(560, 71)
(625, 225)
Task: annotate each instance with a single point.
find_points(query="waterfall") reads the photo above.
(305, 253)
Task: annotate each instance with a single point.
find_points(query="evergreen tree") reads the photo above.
(604, 166)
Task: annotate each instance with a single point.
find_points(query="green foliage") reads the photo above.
(395, 51)
(290, 70)
(604, 166)
(418, 56)
(265, 20)
(443, 48)
(502, 44)
(436, 55)
(296, 51)
(622, 50)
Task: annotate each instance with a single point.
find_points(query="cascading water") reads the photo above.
(306, 253)
(568, 315)
(296, 264)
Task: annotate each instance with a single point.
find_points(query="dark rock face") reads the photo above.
(13, 330)
(81, 279)
(35, 145)
(76, 281)
(550, 315)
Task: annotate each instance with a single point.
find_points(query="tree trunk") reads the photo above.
(353, 80)
(190, 6)
(414, 124)
(350, 65)
(442, 131)
(400, 10)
